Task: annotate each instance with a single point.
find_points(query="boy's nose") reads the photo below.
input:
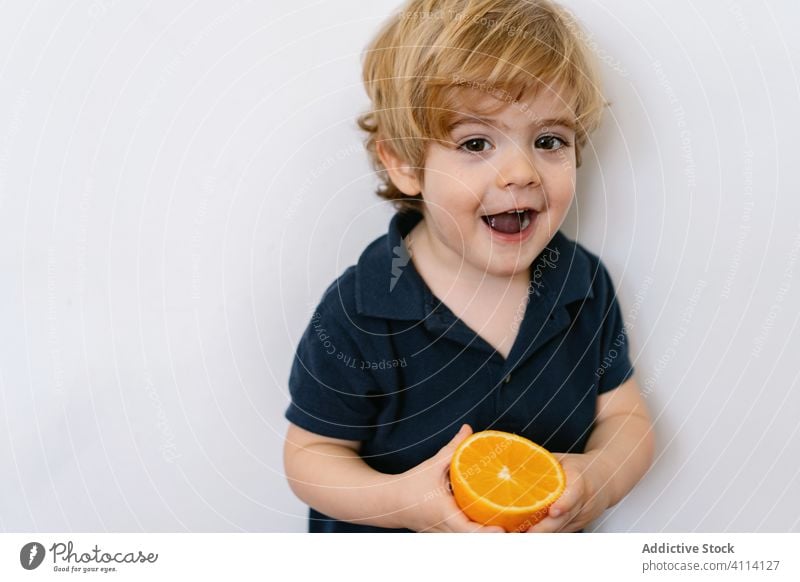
(518, 170)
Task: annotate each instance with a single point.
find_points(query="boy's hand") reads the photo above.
(583, 500)
(427, 501)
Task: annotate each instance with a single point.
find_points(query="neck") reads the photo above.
(449, 266)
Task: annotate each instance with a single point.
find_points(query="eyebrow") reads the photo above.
(550, 121)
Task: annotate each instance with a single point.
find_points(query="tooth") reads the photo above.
(525, 222)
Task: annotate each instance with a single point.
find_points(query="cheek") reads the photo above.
(454, 181)
(558, 207)
(453, 224)
(560, 191)
(458, 177)
(455, 196)
(563, 195)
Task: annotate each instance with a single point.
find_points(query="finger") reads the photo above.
(569, 504)
(465, 525)
(458, 521)
(567, 501)
(462, 433)
(551, 523)
(547, 525)
(488, 529)
(446, 452)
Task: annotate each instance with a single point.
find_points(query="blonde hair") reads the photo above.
(422, 56)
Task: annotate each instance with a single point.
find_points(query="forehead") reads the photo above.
(545, 106)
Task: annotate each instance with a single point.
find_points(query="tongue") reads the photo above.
(505, 222)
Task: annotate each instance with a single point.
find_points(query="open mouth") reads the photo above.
(512, 222)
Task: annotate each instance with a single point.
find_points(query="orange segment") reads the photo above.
(499, 478)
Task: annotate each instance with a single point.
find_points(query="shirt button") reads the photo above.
(507, 379)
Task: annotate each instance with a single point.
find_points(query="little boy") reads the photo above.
(474, 311)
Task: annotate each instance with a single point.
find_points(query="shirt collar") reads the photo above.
(388, 285)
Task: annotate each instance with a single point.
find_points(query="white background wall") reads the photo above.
(180, 181)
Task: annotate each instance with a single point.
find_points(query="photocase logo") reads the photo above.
(31, 555)
(398, 262)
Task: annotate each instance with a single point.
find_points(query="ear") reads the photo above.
(403, 175)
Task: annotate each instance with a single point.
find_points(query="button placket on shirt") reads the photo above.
(556, 320)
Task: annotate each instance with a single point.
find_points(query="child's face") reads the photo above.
(518, 160)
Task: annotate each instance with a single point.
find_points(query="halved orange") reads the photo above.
(499, 478)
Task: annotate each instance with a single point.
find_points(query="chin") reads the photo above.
(507, 270)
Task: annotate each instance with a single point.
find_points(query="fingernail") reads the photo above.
(555, 512)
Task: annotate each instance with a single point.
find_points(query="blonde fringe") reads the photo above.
(423, 55)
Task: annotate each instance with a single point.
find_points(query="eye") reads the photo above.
(474, 145)
(551, 142)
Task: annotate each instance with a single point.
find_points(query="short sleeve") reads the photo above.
(330, 394)
(615, 365)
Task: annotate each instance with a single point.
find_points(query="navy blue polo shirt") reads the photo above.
(385, 362)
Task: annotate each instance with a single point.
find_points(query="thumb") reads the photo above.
(447, 451)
